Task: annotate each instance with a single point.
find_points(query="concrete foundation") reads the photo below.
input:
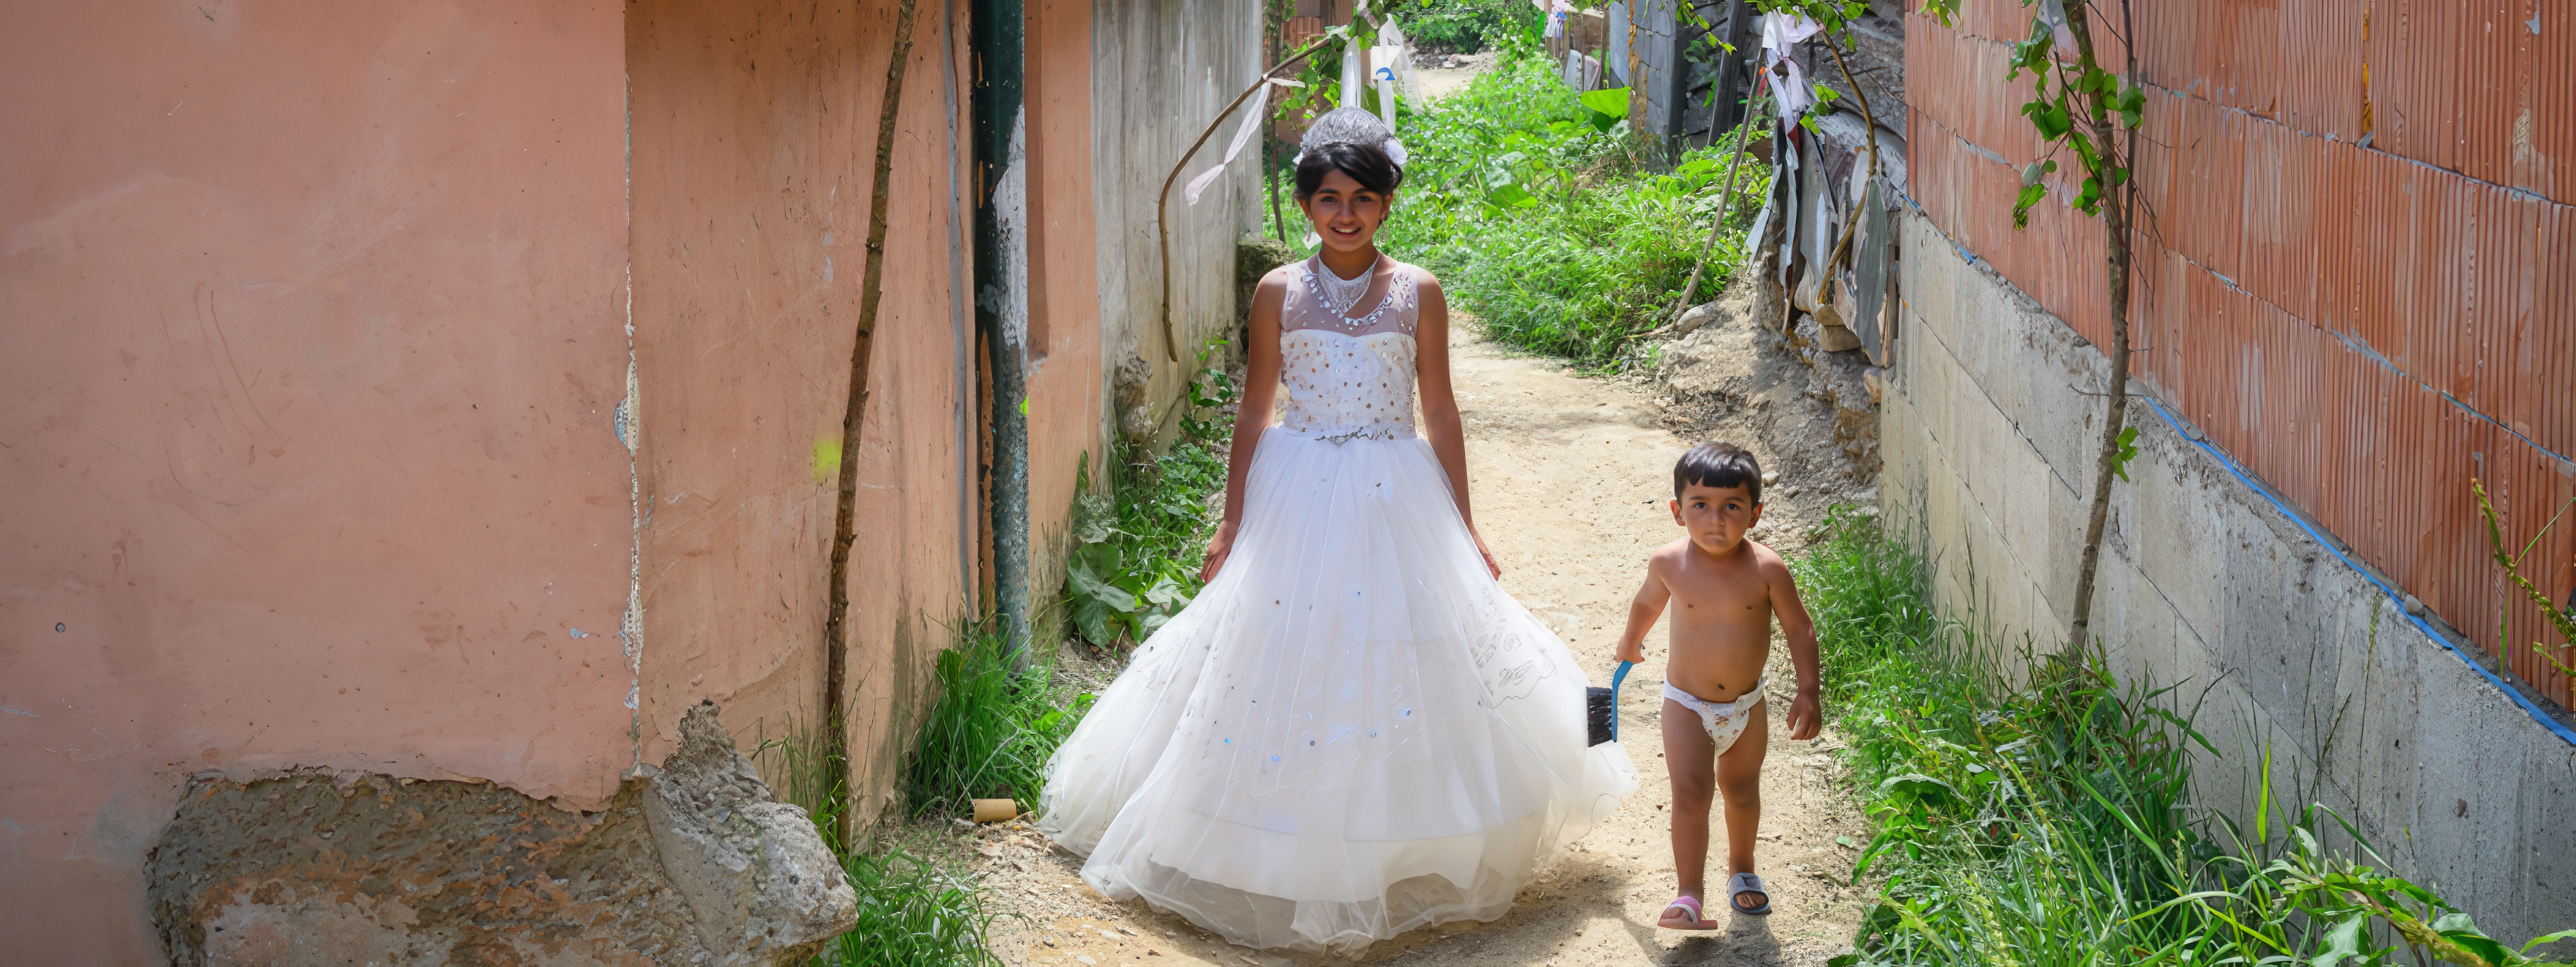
(1989, 434)
(695, 865)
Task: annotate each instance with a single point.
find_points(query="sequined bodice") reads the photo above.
(1347, 378)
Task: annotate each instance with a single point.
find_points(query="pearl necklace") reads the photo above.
(1341, 294)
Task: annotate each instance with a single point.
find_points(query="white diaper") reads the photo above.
(1725, 721)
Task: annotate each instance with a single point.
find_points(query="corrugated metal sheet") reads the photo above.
(2363, 330)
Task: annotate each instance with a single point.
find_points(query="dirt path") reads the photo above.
(1570, 476)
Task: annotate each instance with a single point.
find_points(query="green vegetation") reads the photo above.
(1467, 26)
(993, 727)
(914, 911)
(2051, 823)
(1143, 541)
(2512, 561)
(1548, 218)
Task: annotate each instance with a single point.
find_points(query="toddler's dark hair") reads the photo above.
(1367, 164)
(1718, 465)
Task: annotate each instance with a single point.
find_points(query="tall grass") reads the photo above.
(993, 727)
(2051, 822)
(913, 912)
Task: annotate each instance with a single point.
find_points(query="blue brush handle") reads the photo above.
(1615, 678)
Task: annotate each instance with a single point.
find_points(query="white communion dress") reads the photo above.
(1352, 731)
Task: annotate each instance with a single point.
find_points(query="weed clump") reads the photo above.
(2046, 817)
(993, 728)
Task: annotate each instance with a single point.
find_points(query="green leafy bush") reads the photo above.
(1141, 543)
(1467, 26)
(1546, 217)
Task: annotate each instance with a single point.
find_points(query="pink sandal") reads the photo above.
(1687, 904)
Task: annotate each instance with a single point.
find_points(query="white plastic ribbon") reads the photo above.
(1354, 72)
(1793, 91)
(1383, 60)
(1781, 32)
(1242, 136)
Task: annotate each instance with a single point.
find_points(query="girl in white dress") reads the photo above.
(1352, 731)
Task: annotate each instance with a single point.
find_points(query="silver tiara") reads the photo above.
(1351, 125)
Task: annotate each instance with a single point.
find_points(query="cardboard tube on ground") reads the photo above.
(996, 810)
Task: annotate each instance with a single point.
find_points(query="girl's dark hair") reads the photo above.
(1365, 163)
(1718, 465)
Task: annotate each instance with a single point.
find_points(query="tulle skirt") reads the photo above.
(1351, 733)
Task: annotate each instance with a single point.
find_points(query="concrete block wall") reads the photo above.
(1989, 433)
(1160, 73)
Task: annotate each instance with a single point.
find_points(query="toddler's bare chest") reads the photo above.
(1713, 600)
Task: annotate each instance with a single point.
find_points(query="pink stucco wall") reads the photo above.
(311, 331)
(1064, 281)
(754, 135)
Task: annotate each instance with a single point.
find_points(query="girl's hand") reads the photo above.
(1219, 547)
(1490, 565)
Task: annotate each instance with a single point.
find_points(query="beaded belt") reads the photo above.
(1379, 433)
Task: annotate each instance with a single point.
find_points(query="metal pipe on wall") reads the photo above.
(998, 39)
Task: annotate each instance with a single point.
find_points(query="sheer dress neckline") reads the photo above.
(1309, 307)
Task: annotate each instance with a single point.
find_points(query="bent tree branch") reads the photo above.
(854, 411)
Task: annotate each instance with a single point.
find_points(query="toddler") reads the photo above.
(1715, 725)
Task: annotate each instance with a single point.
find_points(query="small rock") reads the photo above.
(1770, 477)
(1084, 959)
(1699, 315)
(1839, 338)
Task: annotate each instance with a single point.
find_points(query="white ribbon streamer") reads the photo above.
(1242, 136)
(1781, 32)
(1794, 93)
